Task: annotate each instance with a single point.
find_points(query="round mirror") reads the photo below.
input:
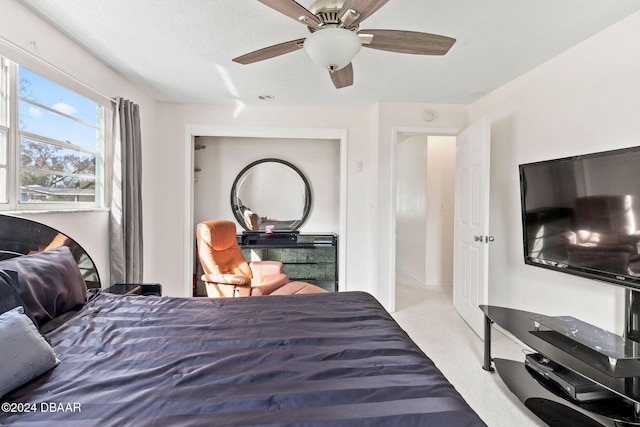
(270, 194)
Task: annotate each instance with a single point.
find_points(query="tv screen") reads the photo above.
(581, 215)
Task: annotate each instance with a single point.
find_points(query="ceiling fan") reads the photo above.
(336, 38)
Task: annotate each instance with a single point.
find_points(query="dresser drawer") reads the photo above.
(312, 259)
(309, 271)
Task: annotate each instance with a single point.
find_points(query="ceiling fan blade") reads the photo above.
(407, 42)
(293, 10)
(342, 77)
(270, 52)
(362, 8)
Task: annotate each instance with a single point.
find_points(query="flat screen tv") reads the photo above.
(581, 215)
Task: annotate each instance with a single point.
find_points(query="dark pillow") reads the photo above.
(49, 282)
(9, 298)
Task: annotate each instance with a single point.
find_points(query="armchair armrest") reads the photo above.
(267, 277)
(265, 268)
(268, 284)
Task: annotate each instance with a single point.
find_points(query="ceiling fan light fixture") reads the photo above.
(332, 48)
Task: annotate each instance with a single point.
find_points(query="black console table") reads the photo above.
(606, 359)
(311, 258)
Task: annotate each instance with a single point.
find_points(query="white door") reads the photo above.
(471, 227)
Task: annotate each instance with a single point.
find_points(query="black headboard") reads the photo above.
(20, 236)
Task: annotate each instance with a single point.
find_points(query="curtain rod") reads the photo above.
(53, 67)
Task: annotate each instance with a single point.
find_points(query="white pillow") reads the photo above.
(25, 354)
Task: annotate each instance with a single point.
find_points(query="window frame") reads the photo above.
(15, 135)
(4, 132)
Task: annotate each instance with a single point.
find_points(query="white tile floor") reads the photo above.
(426, 313)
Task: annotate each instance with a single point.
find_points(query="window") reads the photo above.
(51, 144)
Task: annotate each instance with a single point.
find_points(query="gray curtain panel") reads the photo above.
(126, 199)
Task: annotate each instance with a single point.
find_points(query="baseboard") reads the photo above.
(410, 274)
(422, 282)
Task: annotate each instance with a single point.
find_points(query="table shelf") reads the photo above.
(611, 361)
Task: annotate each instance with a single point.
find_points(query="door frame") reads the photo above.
(192, 131)
(396, 131)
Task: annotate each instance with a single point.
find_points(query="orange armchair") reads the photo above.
(226, 272)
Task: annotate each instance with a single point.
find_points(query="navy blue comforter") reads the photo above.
(334, 359)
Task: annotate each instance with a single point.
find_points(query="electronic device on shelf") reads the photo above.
(576, 386)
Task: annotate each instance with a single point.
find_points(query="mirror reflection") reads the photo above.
(20, 236)
(270, 194)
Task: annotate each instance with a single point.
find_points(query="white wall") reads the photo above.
(411, 206)
(584, 100)
(369, 142)
(365, 253)
(30, 41)
(225, 157)
(441, 174)
(172, 121)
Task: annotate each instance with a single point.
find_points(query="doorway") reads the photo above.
(424, 208)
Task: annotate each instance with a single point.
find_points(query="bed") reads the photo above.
(334, 359)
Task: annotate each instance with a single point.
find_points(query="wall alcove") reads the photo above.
(217, 161)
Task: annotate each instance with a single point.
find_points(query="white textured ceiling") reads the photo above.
(181, 50)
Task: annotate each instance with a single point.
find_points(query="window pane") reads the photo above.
(38, 89)
(39, 121)
(55, 153)
(49, 188)
(40, 155)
